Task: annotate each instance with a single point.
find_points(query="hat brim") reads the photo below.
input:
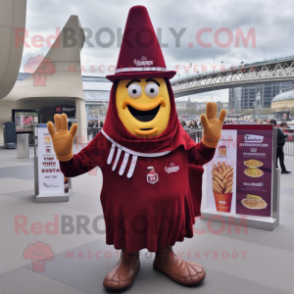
(141, 74)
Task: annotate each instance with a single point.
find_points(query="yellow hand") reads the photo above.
(62, 139)
(211, 125)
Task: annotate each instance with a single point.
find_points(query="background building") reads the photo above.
(12, 22)
(195, 107)
(181, 105)
(283, 105)
(53, 82)
(242, 98)
(96, 92)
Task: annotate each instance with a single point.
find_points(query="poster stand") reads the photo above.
(59, 188)
(254, 221)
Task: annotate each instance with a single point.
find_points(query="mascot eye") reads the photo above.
(151, 90)
(134, 90)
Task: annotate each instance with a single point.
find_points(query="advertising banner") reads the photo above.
(221, 174)
(24, 120)
(239, 177)
(254, 176)
(51, 179)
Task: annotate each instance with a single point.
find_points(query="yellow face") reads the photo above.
(143, 106)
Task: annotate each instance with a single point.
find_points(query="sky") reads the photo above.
(215, 33)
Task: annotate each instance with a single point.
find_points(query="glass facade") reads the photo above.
(242, 98)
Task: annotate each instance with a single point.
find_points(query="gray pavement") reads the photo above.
(256, 261)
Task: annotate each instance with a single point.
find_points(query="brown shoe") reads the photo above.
(122, 276)
(183, 272)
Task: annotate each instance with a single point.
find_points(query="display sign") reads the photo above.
(70, 111)
(240, 173)
(50, 178)
(24, 120)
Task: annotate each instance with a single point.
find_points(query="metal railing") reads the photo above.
(92, 132)
(289, 145)
(196, 135)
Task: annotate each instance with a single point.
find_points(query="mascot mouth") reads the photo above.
(144, 113)
(144, 116)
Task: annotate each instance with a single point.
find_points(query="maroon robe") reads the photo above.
(149, 200)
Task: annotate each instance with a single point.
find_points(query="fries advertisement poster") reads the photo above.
(239, 177)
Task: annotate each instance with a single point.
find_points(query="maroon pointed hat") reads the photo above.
(140, 54)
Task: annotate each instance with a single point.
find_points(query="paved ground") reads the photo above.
(256, 262)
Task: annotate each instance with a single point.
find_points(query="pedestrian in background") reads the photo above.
(195, 124)
(281, 140)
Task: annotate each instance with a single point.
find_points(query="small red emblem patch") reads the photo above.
(152, 176)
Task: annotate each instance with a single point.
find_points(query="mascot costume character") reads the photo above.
(152, 170)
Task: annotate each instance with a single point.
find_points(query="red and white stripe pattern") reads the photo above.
(128, 153)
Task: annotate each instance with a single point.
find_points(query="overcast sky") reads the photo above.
(268, 22)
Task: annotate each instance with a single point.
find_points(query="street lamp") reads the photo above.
(263, 53)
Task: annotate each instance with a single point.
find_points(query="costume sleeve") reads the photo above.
(200, 154)
(83, 162)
